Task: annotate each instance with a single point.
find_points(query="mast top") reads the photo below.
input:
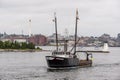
(77, 17)
(76, 31)
(55, 20)
(54, 14)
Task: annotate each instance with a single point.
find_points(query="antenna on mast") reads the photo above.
(22, 32)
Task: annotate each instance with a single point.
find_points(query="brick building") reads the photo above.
(38, 40)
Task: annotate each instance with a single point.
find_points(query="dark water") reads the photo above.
(32, 66)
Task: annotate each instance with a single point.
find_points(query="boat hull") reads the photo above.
(58, 62)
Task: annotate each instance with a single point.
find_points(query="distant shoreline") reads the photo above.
(21, 50)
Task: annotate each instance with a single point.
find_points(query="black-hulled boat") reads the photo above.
(62, 59)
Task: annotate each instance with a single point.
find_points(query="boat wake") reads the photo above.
(62, 69)
(107, 65)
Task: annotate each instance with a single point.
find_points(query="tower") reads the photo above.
(66, 33)
(30, 27)
(105, 47)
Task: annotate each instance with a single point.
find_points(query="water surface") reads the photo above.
(32, 66)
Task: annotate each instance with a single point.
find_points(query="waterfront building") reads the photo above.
(118, 37)
(38, 39)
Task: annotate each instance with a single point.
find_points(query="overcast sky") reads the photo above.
(96, 16)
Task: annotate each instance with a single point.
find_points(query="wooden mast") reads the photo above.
(55, 20)
(76, 31)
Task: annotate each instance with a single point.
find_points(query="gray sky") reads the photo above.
(96, 16)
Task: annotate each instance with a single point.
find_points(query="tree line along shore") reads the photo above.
(18, 46)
